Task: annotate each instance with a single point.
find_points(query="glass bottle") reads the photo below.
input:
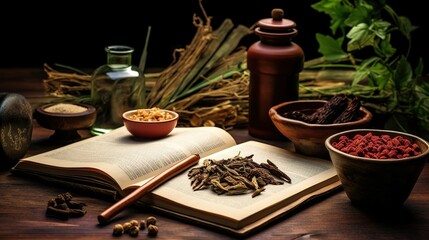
(116, 87)
(274, 64)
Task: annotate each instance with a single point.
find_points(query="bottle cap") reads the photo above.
(277, 22)
(276, 26)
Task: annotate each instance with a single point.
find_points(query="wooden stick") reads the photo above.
(131, 198)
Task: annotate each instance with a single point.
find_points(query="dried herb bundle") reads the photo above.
(206, 83)
(224, 104)
(64, 84)
(237, 175)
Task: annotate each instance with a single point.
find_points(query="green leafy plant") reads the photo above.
(370, 37)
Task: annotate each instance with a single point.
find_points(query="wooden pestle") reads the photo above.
(131, 198)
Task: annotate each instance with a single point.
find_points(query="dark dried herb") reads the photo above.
(339, 109)
(276, 171)
(351, 113)
(331, 110)
(62, 207)
(297, 115)
(237, 175)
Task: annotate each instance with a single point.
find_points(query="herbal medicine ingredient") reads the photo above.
(151, 115)
(134, 226)
(377, 147)
(65, 108)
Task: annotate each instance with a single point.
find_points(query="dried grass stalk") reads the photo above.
(60, 84)
(224, 103)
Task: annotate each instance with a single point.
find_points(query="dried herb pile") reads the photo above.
(62, 207)
(237, 175)
(339, 109)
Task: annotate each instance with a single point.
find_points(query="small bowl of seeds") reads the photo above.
(377, 168)
(151, 123)
(65, 118)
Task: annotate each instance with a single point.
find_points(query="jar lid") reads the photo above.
(16, 128)
(276, 23)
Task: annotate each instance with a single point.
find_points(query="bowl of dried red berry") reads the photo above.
(377, 168)
(307, 123)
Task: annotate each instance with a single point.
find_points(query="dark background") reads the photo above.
(75, 33)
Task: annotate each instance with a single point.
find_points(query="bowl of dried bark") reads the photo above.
(377, 168)
(308, 123)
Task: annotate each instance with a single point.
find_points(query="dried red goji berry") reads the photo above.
(379, 147)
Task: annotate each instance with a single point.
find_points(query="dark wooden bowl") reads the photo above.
(379, 183)
(66, 123)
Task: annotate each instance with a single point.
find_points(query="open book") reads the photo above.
(117, 163)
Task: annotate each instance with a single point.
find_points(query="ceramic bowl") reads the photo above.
(309, 139)
(373, 182)
(65, 119)
(150, 129)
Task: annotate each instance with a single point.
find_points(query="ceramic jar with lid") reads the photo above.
(274, 63)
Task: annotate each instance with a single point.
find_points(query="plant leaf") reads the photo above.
(419, 69)
(403, 78)
(360, 37)
(379, 28)
(405, 26)
(337, 10)
(384, 49)
(330, 47)
(421, 108)
(361, 14)
(380, 74)
(375, 71)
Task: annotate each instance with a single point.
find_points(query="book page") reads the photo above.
(236, 211)
(126, 159)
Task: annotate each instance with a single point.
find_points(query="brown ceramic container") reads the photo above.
(309, 139)
(373, 182)
(274, 63)
(150, 129)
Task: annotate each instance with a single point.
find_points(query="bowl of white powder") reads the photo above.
(65, 119)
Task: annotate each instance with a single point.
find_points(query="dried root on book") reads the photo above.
(237, 175)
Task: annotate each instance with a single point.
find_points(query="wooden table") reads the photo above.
(23, 201)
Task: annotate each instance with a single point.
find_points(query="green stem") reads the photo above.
(333, 65)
